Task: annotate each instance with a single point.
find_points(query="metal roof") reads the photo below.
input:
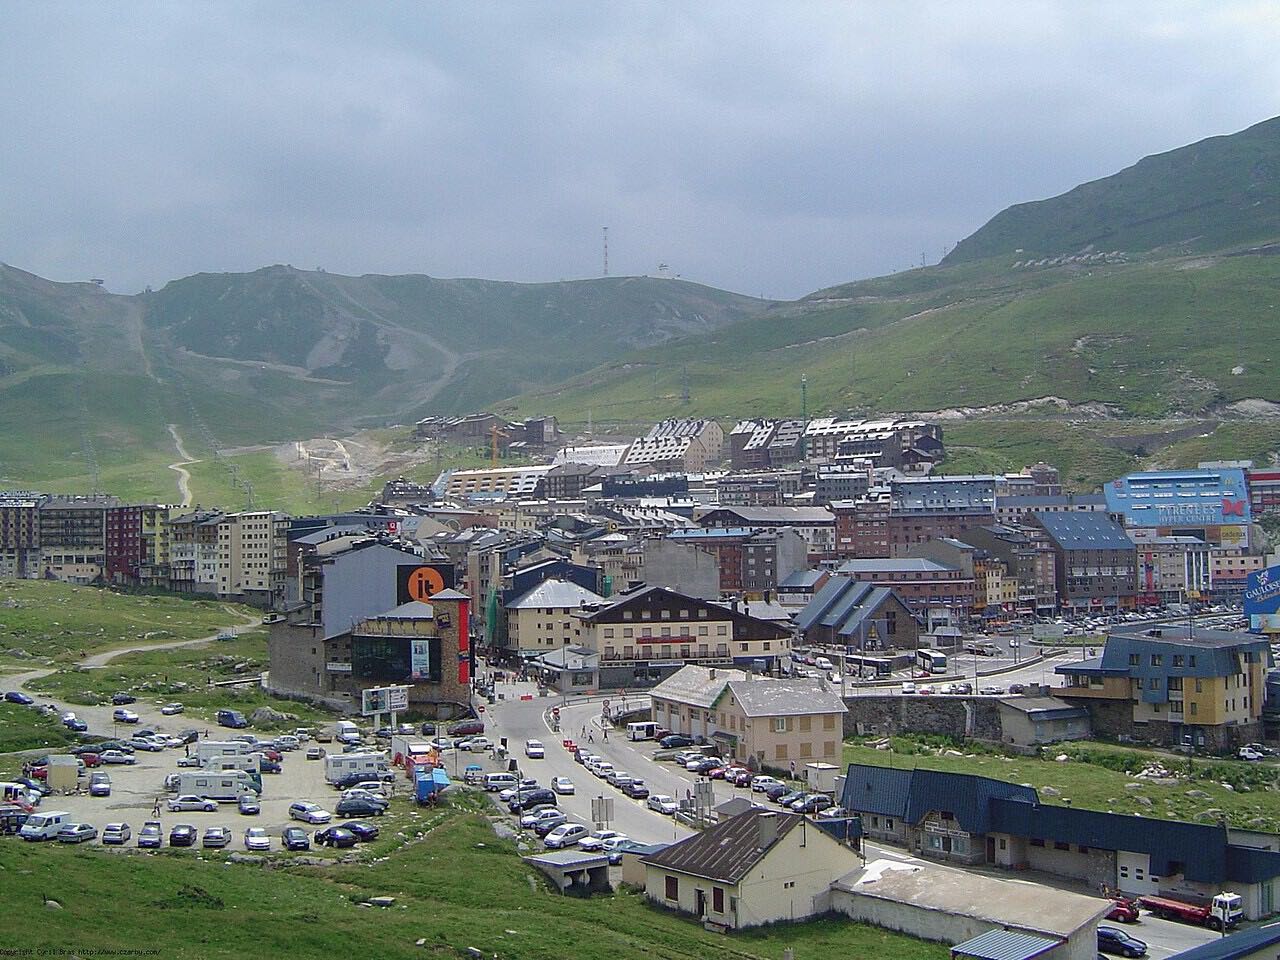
(696, 685)
(555, 594)
(1238, 946)
(727, 851)
(895, 565)
(1004, 945)
(778, 698)
(1084, 530)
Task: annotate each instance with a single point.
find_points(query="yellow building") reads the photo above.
(544, 617)
(1202, 688)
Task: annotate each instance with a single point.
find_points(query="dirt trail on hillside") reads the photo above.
(179, 466)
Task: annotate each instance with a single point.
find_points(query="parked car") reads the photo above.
(123, 699)
(661, 803)
(117, 756)
(248, 804)
(704, 765)
(191, 761)
(215, 838)
(635, 789)
(267, 765)
(150, 836)
(1124, 910)
(287, 742)
(788, 798)
(256, 839)
(1017, 688)
(116, 834)
(506, 794)
(363, 830)
(100, 784)
(335, 836)
(991, 690)
(77, 833)
(551, 815)
(675, 740)
(309, 812)
(562, 785)
(121, 715)
(1248, 753)
(190, 801)
(315, 752)
(549, 822)
(234, 719)
(1114, 940)
(467, 727)
(529, 799)
(613, 847)
(812, 804)
(596, 840)
(75, 725)
(565, 835)
(762, 783)
(146, 743)
(189, 736)
(18, 697)
(480, 745)
(182, 835)
(360, 807)
(170, 709)
(295, 838)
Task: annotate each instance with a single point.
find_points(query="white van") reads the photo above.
(822, 663)
(908, 688)
(499, 781)
(644, 730)
(44, 826)
(346, 731)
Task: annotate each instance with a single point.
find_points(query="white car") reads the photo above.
(257, 838)
(602, 769)
(169, 709)
(1248, 753)
(562, 785)
(596, 840)
(288, 742)
(565, 835)
(360, 793)
(661, 803)
(611, 844)
(534, 750)
(506, 793)
(117, 756)
(761, 784)
(546, 815)
(991, 691)
(309, 812)
(192, 802)
(480, 745)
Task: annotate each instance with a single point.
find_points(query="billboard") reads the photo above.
(383, 700)
(420, 581)
(419, 659)
(1181, 499)
(1262, 600)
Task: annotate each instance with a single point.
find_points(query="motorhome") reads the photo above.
(208, 749)
(217, 785)
(340, 765)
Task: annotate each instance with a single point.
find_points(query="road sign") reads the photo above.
(555, 711)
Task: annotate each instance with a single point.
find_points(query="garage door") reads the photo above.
(1133, 873)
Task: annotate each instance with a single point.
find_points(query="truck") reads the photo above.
(428, 784)
(405, 746)
(338, 766)
(206, 750)
(1224, 907)
(224, 785)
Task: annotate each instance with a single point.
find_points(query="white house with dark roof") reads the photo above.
(754, 868)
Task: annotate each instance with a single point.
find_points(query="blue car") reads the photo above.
(17, 696)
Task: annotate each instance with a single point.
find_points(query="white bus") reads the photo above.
(931, 661)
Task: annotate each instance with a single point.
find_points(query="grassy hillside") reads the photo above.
(1218, 193)
(455, 885)
(1153, 339)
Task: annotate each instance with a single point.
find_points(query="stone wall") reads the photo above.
(1113, 720)
(975, 717)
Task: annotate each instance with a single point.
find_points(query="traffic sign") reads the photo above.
(555, 711)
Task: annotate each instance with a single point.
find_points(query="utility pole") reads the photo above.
(605, 231)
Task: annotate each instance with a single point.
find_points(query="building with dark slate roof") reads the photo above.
(976, 820)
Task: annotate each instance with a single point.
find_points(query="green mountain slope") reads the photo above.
(90, 381)
(1220, 192)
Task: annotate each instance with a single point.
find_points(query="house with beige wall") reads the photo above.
(776, 724)
(755, 868)
(544, 618)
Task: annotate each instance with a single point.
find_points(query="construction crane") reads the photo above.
(494, 433)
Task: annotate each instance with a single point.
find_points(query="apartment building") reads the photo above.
(193, 551)
(542, 618)
(815, 524)
(1095, 561)
(253, 556)
(153, 535)
(20, 535)
(124, 545)
(1175, 685)
(1170, 569)
(73, 537)
(646, 634)
(752, 561)
(685, 445)
(918, 581)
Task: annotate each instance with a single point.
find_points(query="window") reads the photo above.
(1178, 659)
(1155, 683)
(673, 888)
(1175, 683)
(1191, 660)
(829, 721)
(1060, 845)
(1199, 685)
(780, 751)
(1194, 708)
(702, 631)
(788, 884)
(779, 724)
(1134, 660)
(1036, 842)
(717, 900)
(608, 632)
(1157, 659)
(806, 750)
(722, 631)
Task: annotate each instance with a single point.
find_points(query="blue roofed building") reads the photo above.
(859, 616)
(1210, 504)
(1095, 561)
(977, 820)
(1175, 685)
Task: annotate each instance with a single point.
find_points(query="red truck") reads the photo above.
(1225, 907)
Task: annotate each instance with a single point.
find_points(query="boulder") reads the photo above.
(1197, 795)
(268, 715)
(53, 905)
(1133, 786)
(1144, 801)
(1050, 792)
(1212, 814)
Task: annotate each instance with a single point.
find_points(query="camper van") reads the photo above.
(339, 766)
(345, 731)
(225, 785)
(644, 730)
(44, 826)
(250, 764)
(206, 750)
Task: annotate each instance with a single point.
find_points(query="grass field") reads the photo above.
(22, 728)
(457, 887)
(1094, 778)
(48, 621)
(161, 676)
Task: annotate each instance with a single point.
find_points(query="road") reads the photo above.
(519, 720)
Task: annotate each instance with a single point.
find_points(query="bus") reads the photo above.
(931, 661)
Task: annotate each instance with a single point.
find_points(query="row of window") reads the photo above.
(722, 630)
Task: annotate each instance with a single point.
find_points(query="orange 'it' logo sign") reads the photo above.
(424, 582)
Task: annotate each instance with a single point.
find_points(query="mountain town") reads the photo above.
(674, 517)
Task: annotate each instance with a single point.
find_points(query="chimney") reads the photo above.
(767, 827)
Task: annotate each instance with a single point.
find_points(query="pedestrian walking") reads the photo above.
(591, 738)
(606, 734)
(155, 808)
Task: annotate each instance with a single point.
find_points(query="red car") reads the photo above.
(91, 759)
(717, 773)
(1124, 910)
(739, 776)
(272, 755)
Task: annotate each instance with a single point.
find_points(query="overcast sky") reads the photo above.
(767, 148)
